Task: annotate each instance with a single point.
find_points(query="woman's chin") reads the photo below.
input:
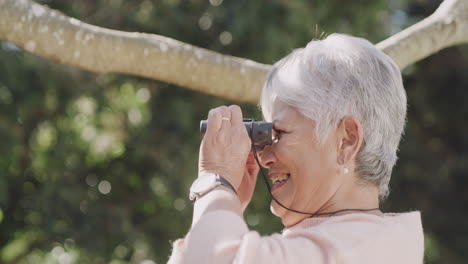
(276, 209)
(273, 208)
(282, 196)
(286, 217)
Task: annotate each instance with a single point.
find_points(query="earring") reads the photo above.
(345, 169)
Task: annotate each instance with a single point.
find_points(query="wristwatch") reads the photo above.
(205, 183)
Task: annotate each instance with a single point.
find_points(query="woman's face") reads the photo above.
(309, 172)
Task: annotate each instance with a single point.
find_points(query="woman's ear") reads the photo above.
(351, 135)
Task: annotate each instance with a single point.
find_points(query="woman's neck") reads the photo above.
(358, 196)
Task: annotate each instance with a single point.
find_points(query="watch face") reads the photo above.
(203, 184)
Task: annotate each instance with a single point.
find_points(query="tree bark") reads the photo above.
(447, 26)
(54, 36)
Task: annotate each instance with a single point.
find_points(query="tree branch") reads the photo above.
(62, 39)
(446, 27)
(56, 37)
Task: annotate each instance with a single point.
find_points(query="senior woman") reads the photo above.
(338, 109)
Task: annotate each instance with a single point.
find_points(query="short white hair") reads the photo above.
(340, 76)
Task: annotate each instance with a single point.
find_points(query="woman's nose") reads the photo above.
(267, 157)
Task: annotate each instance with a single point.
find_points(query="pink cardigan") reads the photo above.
(219, 235)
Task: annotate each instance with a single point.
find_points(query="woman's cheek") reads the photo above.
(282, 153)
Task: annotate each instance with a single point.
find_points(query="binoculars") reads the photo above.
(259, 132)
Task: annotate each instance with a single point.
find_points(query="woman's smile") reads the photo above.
(278, 179)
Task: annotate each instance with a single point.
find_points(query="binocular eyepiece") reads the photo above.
(259, 132)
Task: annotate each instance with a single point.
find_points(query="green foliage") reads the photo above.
(96, 168)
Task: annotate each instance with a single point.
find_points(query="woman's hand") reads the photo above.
(249, 180)
(226, 146)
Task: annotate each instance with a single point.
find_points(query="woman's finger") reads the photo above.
(251, 159)
(225, 117)
(214, 122)
(236, 115)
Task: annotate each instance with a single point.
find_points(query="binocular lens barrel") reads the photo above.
(259, 132)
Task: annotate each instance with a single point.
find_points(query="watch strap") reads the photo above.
(225, 182)
(219, 180)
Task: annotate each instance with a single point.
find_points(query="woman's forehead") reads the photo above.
(283, 113)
